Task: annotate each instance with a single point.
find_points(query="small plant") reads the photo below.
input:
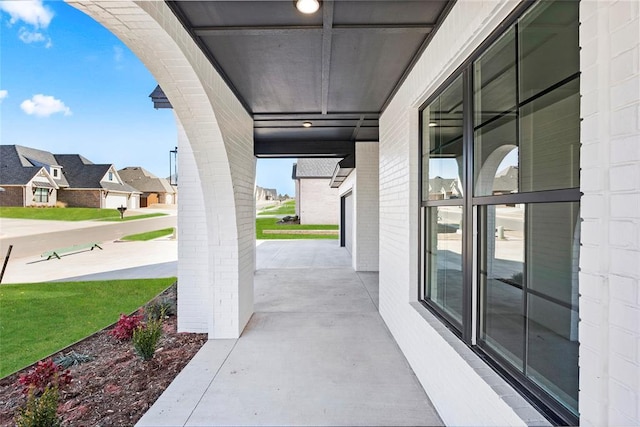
(46, 374)
(145, 339)
(159, 310)
(123, 330)
(517, 278)
(72, 359)
(40, 411)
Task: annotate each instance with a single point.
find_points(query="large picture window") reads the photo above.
(500, 200)
(41, 195)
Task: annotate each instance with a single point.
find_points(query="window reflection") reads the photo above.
(445, 259)
(442, 160)
(529, 310)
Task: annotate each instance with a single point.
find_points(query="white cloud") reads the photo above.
(118, 53)
(34, 37)
(33, 13)
(3, 94)
(44, 106)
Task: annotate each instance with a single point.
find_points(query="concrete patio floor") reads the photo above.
(316, 352)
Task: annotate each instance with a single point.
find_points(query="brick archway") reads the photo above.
(215, 221)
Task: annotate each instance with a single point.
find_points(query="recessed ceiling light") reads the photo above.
(307, 6)
(307, 124)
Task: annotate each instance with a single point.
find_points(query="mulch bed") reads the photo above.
(116, 388)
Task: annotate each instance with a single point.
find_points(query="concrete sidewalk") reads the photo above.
(316, 352)
(116, 260)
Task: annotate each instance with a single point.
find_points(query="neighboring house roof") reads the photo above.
(18, 165)
(145, 181)
(447, 185)
(506, 180)
(314, 168)
(82, 173)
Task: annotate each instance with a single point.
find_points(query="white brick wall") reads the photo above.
(610, 254)
(318, 203)
(462, 388)
(365, 203)
(220, 133)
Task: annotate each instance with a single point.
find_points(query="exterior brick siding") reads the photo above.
(11, 196)
(80, 198)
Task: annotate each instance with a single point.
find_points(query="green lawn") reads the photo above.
(287, 208)
(263, 224)
(39, 319)
(58, 214)
(69, 214)
(150, 235)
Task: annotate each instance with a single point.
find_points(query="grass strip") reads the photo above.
(270, 225)
(149, 235)
(38, 319)
(58, 214)
(287, 208)
(133, 217)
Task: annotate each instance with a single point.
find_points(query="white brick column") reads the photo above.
(195, 294)
(610, 255)
(220, 134)
(366, 197)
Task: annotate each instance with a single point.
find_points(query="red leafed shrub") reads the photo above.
(45, 374)
(125, 327)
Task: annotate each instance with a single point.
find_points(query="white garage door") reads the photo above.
(348, 221)
(115, 200)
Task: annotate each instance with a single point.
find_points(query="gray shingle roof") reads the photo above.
(82, 173)
(19, 164)
(12, 171)
(314, 168)
(143, 180)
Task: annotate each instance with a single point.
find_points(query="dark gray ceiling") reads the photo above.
(336, 68)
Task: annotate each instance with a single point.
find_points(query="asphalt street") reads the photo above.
(89, 232)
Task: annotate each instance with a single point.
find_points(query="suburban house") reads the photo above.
(29, 177)
(34, 177)
(513, 304)
(266, 194)
(154, 190)
(94, 186)
(316, 200)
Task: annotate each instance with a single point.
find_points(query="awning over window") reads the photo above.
(41, 184)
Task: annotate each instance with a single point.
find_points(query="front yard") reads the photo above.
(68, 214)
(268, 228)
(39, 319)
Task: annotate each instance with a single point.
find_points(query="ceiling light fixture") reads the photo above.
(307, 124)
(307, 6)
(432, 124)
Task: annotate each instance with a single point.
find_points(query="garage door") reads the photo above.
(115, 201)
(347, 222)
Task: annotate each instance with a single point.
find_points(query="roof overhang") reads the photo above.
(336, 69)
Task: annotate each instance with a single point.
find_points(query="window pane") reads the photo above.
(444, 259)
(501, 281)
(442, 162)
(550, 140)
(548, 46)
(552, 278)
(496, 135)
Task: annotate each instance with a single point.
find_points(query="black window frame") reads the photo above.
(553, 410)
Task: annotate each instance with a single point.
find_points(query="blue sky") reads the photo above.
(67, 85)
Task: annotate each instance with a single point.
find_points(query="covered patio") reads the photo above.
(315, 352)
